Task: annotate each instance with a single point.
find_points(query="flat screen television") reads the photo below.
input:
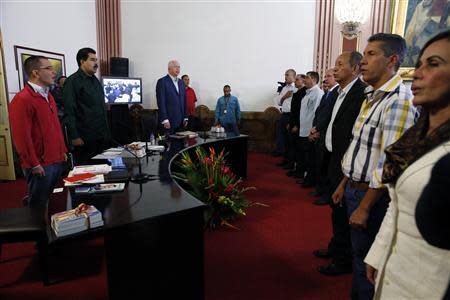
(122, 90)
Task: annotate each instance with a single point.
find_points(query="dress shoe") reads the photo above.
(322, 253)
(291, 173)
(289, 166)
(321, 201)
(298, 175)
(276, 154)
(308, 184)
(315, 194)
(25, 200)
(334, 269)
(283, 163)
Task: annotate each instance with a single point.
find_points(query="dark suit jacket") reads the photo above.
(171, 104)
(323, 112)
(295, 107)
(342, 129)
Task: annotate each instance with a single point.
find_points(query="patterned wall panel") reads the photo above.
(108, 32)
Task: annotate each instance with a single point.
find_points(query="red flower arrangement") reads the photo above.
(211, 181)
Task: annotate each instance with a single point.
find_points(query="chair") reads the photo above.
(149, 125)
(26, 224)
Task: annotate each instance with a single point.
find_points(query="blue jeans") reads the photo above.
(40, 188)
(362, 240)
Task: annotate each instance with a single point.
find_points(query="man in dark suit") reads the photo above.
(317, 135)
(171, 98)
(293, 125)
(337, 139)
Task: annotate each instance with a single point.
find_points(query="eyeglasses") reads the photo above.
(50, 68)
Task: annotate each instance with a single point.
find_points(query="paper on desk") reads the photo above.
(108, 155)
(186, 133)
(117, 149)
(155, 147)
(97, 179)
(96, 169)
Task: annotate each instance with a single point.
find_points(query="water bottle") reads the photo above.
(152, 139)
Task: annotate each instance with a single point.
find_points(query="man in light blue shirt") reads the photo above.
(228, 112)
(308, 107)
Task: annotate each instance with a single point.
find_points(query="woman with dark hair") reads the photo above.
(400, 262)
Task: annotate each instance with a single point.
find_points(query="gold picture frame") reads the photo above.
(22, 53)
(417, 21)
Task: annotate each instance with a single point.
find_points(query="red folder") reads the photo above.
(79, 177)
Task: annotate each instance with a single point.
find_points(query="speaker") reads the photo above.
(119, 66)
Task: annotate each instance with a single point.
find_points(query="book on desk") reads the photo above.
(100, 188)
(76, 220)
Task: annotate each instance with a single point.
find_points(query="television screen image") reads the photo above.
(122, 90)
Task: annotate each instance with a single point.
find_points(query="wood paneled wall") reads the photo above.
(259, 126)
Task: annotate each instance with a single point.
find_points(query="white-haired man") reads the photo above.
(171, 98)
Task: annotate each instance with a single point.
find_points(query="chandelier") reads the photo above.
(351, 14)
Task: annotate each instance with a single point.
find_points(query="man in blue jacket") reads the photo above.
(228, 112)
(171, 98)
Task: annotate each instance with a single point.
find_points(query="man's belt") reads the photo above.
(358, 185)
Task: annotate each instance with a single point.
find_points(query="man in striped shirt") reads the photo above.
(385, 114)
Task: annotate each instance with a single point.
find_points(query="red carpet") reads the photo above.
(269, 258)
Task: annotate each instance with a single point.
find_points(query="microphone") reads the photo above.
(140, 177)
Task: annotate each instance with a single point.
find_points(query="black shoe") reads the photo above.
(322, 253)
(334, 269)
(300, 181)
(282, 163)
(308, 184)
(25, 200)
(299, 176)
(321, 201)
(315, 194)
(289, 166)
(291, 173)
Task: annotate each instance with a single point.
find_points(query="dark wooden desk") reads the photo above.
(153, 232)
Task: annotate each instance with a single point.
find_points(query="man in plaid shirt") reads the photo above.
(385, 114)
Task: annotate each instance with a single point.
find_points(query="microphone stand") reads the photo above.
(140, 177)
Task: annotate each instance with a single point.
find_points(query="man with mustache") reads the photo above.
(84, 109)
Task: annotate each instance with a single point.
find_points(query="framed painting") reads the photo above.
(418, 21)
(22, 53)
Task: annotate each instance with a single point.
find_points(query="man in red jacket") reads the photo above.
(37, 132)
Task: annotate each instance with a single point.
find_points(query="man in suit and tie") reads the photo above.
(171, 98)
(317, 135)
(337, 139)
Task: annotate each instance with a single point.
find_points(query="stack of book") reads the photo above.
(75, 220)
(138, 148)
(187, 133)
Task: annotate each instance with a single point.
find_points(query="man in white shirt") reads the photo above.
(307, 111)
(283, 101)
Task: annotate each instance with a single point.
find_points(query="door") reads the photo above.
(6, 152)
